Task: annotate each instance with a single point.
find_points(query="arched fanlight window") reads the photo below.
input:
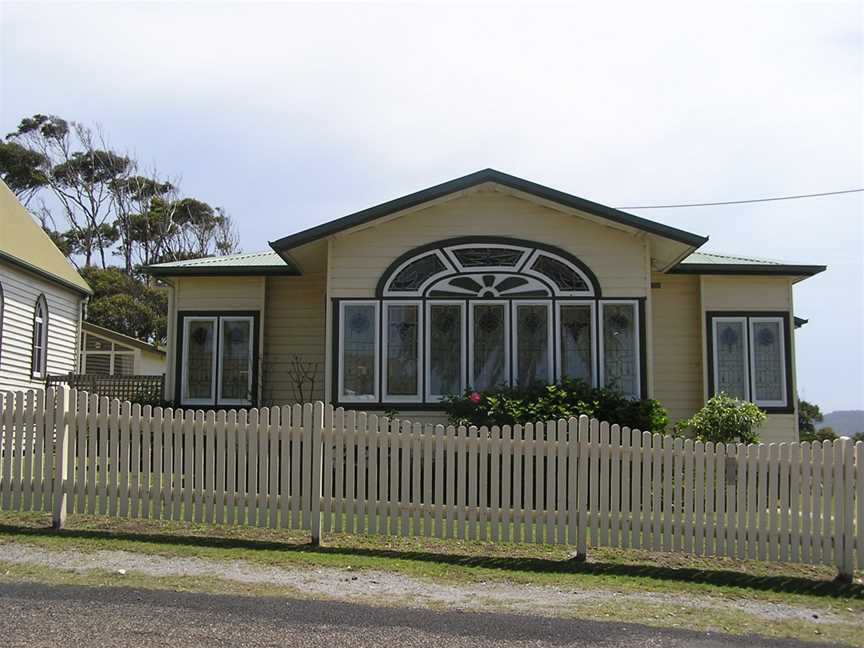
(39, 358)
(488, 268)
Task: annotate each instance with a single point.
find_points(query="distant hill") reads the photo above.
(844, 422)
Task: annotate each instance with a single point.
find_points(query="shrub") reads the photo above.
(511, 405)
(724, 419)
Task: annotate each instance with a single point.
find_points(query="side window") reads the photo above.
(39, 356)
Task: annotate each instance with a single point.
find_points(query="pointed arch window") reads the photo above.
(39, 356)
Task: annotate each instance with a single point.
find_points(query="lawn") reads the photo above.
(649, 583)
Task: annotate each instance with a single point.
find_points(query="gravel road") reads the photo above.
(36, 615)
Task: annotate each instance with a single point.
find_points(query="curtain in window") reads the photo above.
(767, 340)
(620, 348)
(236, 360)
(730, 357)
(199, 359)
(532, 348)
(358, 350)
(403, 336)
(575, 346)
(489, 339)
(445, 349)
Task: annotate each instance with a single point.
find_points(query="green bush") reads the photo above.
(511, 405)
(725, 419)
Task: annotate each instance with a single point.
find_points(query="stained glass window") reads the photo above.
(200, 350)
(445, 349)
(620, 348)
(40, 337)
(768, 361)
(730, 357)
(487, 256)
(489, 339)
(403, 337)
(236, 360)
(412, 276)
(576, 344)
(565, 277)
(359, 350)
(532, 344)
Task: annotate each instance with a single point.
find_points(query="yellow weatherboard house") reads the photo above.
(478, 282)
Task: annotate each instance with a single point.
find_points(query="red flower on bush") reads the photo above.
(475, 398)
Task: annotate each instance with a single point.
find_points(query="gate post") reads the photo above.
(315, 483)
(61, 458)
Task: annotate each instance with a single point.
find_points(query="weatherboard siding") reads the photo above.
(359, 257)
(294, 326)
(21, 289)
(677, 344)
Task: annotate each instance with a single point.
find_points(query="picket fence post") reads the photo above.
(61, 455)
(315, 481)
(843, 537)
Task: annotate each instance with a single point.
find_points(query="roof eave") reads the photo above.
(748, 269)
(474, 179)
(29, 267)
(231, 271)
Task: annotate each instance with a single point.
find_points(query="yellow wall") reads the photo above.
(294, 326)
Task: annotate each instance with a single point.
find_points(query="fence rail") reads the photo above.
(579, 482)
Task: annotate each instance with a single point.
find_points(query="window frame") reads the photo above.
(745, 348)
(220, 366)
(559, 350)
(340, 357)
(385, 325)
(427, 347)
(752, 321)
(550, 336)
(181, 354)
(785, 317)
(637, 321)
(508, 340)
(187, 322)
(40, 372)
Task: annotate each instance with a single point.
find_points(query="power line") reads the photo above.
(741, 202)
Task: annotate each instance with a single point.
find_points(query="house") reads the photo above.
(41, 301)
(479, 281)
(109, 353)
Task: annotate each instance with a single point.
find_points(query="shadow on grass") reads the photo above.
(788, 584)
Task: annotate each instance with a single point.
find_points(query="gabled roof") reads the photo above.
(248, 263)
(466, 182)
(713, 263)
(25, 244)
(122, 338)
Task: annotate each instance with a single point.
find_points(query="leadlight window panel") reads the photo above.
(402, 351)
(359, 351)
(620, 350)
(97, 363)
(445, 356)
(768, 361)
(412, 276)
(561, 274)
(487, 256)
(730, 357)
(235, 361)
(124, 364)
(576, 342)
(533, 343)
(490, 362)
(199, 360)
(39, 359)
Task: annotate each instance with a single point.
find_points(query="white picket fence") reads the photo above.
(581, 482)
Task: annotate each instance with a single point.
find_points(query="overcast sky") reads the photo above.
(289, 115)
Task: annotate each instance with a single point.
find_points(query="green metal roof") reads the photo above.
(247, 263)
(714, 263)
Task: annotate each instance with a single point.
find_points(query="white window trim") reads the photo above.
(746, 351)
(752, 360)
(366, 398)
(559, 366)
(507, 338)
(40, 369)
(550, 332)
(638, 341)
(556, 290)
(448, 270)
(221, 366)
(385, 329)
(184, 376)
(430, 397)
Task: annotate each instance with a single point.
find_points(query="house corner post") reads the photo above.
(62, 413)
(315, 485)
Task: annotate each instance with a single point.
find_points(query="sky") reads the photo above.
(289, 115)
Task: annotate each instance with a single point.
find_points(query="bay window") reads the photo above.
(748, 357)
(218, 359)
(481, 313)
